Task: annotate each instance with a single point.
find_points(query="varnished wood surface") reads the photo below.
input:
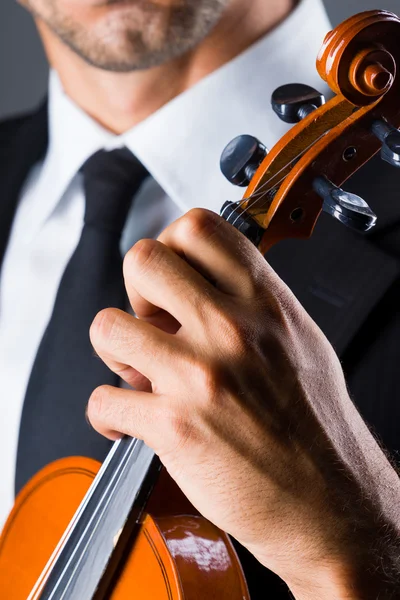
(115, 503)
(173, 557)
(359, 60)
(40, 516)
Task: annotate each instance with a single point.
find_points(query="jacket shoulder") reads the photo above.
(10, 127)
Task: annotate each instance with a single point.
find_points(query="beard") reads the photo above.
(128, 35)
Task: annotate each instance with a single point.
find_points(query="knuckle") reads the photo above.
(141, 255)
(284, 308)
(179, 425)
(285, 319)
(183, 430)
(97, 403)
(237, 334)
(201, 307)
(197, 223)
(114, 332)
(257, 280)
(104, 324)
(209, 378)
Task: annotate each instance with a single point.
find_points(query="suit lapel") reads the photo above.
(23, 143)
(339, 276)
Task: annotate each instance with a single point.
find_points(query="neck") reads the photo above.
(118, 101)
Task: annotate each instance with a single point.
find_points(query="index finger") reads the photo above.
(157, 278)
(218, 251)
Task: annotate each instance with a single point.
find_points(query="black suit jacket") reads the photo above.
(348, 283)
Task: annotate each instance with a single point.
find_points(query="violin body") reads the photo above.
(176, 554)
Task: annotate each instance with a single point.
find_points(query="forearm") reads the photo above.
(367, 490)
(363, 562)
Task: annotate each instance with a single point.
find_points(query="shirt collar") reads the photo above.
(73, 137)
(182, 142)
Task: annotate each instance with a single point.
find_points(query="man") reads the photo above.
(173, 82)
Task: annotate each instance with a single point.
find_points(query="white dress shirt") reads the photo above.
(180, 145)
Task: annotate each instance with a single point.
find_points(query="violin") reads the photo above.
(81, 531)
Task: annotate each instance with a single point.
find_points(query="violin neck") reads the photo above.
(98, 530)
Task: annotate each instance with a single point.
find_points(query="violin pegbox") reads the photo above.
(304, 172)
(294, 102)
(243, 155)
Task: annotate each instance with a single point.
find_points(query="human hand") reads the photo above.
(244, 400)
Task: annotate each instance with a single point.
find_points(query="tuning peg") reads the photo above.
(295, 101)
(390, 138)
(241, 159)
(349, 209)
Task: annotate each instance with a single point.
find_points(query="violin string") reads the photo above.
(256, 198)
(96, 517)
(67, 535)
(261, 191)
(259, 195)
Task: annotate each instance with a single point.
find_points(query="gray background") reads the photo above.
(23, 70)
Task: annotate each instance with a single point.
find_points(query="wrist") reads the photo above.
(332, 582)
(367, 575)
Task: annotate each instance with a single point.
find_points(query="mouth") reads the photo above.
(103, 3)
(112, 2)
(147, 5)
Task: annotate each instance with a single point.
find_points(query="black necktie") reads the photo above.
(66, 371)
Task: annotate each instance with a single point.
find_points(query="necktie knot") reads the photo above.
(110, 180)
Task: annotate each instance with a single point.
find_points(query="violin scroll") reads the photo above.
(358, 58)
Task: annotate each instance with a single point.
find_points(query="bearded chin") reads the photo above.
(133, 35)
